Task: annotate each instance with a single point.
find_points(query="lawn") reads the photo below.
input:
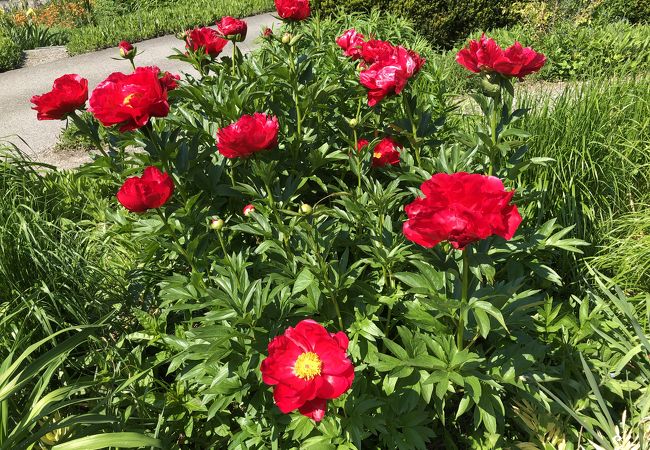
(331, 243)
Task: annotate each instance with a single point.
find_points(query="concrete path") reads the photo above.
(18, 120)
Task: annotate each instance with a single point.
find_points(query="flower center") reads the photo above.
(308, 365)
(127, 100)
(376, 155)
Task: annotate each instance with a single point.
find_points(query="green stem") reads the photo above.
(234, 56)
(338, 312)
(132, 64)
(223, 246)
(177, 241)
(414, 130)
(464, 300)
(493, 135)
(269, 193)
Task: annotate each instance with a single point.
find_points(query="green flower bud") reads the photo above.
(306, 209)
(216, 224)
(286, 38)
(353, 123)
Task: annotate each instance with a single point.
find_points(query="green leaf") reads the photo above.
(119, 440)
(304, 279)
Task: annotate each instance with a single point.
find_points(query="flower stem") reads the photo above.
(177, 241)
(464, 299)
(234, 60)
(414, 130)
(338, 312)
(493, 135)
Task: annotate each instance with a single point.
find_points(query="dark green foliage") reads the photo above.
(443, 22)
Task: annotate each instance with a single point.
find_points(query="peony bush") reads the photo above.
(334, 264)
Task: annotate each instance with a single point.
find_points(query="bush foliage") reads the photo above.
(10, 54)
(456, 349)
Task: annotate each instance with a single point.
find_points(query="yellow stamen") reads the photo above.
(308, 366)
(127, 100)
(376, 155)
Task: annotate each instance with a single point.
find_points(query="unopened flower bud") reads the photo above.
(306, 209)
(248, 209)
(127, 51)
(353, 122)
(216, 223)
(286, 38)
(267, 33)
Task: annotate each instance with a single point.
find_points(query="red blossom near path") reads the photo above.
(461, 208)
(479, 55)
(248, 209)
(130, 100)
(68, 94)
(232, 29)
(486, 55)
(308, 366)
(205, 40)
(169, 80)
(390, 73)
(127, 51)
(519, 61)
(151, 190)
(293, 9)
(386, 153)
(250, 134)
(351, 42)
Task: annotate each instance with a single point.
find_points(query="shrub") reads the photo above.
(10, 54)
(451, 347)
(443, 22)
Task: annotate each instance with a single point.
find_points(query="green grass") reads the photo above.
(599, 136)
(146, 24)
(57, 257)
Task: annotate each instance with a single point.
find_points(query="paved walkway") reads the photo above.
(18, 120)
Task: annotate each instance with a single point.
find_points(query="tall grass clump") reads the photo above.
(57, 258)
(598, 133)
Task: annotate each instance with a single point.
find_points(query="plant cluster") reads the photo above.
(328, 260)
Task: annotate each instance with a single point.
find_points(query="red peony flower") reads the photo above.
(375, 50)
(169, 80)
(361, 143)
(232, 29)
(130, 100)
(205, 40)
(250, 134)
(127, 51)
(486, 55)
(308, 366)
(68, 94)
(461, 208)
(293, 9)
(480, 55)
(351, 41)
(518, 61)
(386, 153)
(390, 73)
(150, 191)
